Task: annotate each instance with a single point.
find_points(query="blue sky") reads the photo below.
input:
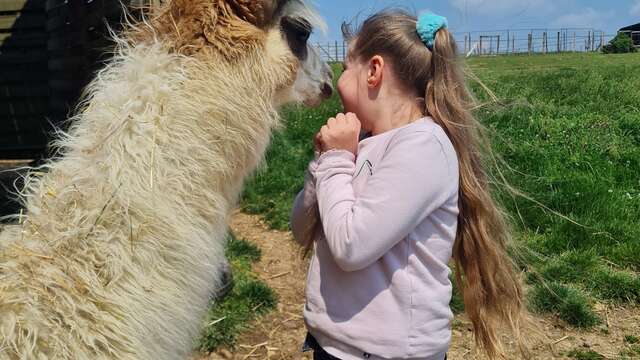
(479, 15)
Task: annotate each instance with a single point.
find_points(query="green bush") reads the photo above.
(621, 44)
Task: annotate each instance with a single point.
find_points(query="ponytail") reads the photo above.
(491, 290)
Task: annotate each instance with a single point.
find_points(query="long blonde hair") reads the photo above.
(486, 274)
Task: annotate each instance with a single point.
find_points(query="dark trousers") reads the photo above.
(310, 343)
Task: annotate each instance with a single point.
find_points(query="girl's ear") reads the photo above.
(375, 71)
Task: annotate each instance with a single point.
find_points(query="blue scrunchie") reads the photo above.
(427, 27)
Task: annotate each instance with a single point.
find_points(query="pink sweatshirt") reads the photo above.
(378, 284)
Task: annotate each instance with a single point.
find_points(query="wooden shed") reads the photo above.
(634, 32)
(49, 50)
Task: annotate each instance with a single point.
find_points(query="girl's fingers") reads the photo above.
(323, 132)
(353, 120)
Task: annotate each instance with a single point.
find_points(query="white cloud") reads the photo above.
(587, 18)
(428, 10)
(500, 7)
(635, 9)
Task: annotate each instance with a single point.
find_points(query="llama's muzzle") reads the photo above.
(327, 90)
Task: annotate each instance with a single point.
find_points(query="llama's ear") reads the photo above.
(257, 12)
(234, 26)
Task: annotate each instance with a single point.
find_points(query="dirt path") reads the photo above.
(278, 335)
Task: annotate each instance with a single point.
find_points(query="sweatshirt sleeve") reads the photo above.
(303, 206)
(412, 179)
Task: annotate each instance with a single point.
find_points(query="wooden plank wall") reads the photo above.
(77, 48)
(23, 76)
(49, 51)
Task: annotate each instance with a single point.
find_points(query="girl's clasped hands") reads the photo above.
(340, 133)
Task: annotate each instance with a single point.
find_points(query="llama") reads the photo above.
(121, 241)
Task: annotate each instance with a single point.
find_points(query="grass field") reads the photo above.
(566, 129)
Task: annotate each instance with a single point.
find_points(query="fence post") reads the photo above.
(546, 42)
(481, 47)
(513, 44)
(344, 51)
(574, 41)
(465, 44)
(498, 48)
(558, 44)
(530, 42)
(508, 41)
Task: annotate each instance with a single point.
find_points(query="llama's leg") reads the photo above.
(226, 282)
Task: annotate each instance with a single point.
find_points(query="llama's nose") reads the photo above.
(327, 90)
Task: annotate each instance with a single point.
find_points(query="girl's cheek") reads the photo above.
(340, 86)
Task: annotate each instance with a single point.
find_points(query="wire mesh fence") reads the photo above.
(531, 41)
(505, 42)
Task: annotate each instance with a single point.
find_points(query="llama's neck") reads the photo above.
(130, 220)
(164, 131)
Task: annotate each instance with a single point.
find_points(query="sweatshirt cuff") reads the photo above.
(336, 155)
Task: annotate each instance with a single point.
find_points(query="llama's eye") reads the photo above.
(303, 36)
(297, 32)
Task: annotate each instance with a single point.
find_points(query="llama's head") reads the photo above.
(232, 29)
(313, 77)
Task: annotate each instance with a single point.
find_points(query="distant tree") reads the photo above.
(622, 43)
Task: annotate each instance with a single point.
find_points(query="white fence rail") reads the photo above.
(506, 42)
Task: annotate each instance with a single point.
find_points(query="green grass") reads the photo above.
(585, 355)
(631, 352)
(567, 131)
(570, 304)
(631, 339)
(457, 301)
(248, 299)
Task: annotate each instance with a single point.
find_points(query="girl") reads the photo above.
(396, 206)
